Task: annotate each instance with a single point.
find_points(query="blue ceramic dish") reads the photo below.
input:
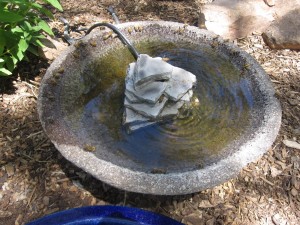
(105, 215)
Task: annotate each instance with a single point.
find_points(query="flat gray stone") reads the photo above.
(180, 83)
(133, 117)
(171, 109)
(150, 93)
(284, 32)
(131, 97)
(150, 69)
(129, 72)
(146, 109)
(139, 126)
(135, 121)
(187, 97)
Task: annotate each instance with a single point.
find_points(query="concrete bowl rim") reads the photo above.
(173, 183)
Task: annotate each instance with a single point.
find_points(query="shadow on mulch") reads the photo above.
(115, 196)
(26, 70)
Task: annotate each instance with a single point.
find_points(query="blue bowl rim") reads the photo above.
(129, 214)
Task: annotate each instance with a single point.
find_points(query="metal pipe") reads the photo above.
(120, 35)
(112, 27)
(113, 14)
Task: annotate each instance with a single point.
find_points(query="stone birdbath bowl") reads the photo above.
(233, 118)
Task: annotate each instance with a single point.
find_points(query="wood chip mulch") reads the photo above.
(36, 180)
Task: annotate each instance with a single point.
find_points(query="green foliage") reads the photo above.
(21, 30)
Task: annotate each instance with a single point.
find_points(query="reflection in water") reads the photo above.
(225, 98)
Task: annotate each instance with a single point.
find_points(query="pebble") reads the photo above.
(293, 102)
(296, 131)
(278, 220)
(101, 202)
(270, 2)
(46, 200)
(294, 192)
(258, 46)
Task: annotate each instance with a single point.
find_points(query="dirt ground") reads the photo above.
(36, 180)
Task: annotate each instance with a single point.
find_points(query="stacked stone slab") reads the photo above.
(155, 90)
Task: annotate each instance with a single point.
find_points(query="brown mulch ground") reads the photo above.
(36, 180)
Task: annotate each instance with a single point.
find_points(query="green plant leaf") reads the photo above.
(39, 36)
(4, 72)
(17, 30)
(15, 1)
(23, 45)
(21, 30)
(10, 63)
(40, 8)
(9, 17)
(33, 50)
(16, 53)
(37, 42)
(45, 27)
(36, 29)
(2, 42)
(14, 59)
(26, 26)
(54, 3)
(11, 39)
(28, 37)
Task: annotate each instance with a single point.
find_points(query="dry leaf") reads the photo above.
(291, 144)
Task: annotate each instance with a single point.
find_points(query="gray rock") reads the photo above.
(134, 127)
(296, 131)
(180, 83)
(171, 109)
(270, 2)
(284, 33)
(131, 97)
(187, 97)
(150, 93)
(238, 18)
(147, 100)
(150, 69)
(135, 121)
(146, 109)
(130, 72)
(133, 117)
(279, 220)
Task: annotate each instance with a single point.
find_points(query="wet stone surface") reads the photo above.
(155, 90)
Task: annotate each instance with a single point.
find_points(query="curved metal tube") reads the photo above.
(111, 10)
(120, 35)
(112, 27)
